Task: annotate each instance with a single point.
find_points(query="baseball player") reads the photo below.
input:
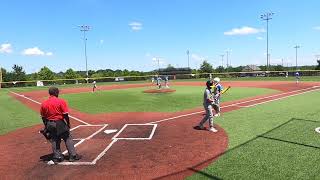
(216, 92)
(94, 83)
(166, 81)
(207, 104)
(297, 77)
(159, 82)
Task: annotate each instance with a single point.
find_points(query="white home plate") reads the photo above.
(110, 131)
(317, 129)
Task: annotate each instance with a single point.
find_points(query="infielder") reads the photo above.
(217, 89)
(166, 81)
(94, 86)
(159, 82)
(297, 77)
(207, 104)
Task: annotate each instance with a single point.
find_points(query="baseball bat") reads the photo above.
(225, 90)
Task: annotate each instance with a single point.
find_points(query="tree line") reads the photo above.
(18, 74)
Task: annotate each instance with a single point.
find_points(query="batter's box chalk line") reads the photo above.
(114, 140)
(128, 138)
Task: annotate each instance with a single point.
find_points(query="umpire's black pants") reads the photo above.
(59, 130)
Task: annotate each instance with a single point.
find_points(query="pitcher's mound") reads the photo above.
(159, 90)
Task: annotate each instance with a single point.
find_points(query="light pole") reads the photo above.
(84, 29)
(267, 17)
(228, 58)
(222, 55)
(188, 53)
(296, 47)
(158, 66)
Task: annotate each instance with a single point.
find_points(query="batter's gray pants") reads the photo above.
(209, 115)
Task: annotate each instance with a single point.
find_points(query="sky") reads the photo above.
(135, 34)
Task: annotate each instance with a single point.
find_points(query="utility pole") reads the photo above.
(188, 54)
(84, 29)
(267, 17)
(222, 55)
(296, 47)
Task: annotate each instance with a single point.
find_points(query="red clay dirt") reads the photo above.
(175, 151)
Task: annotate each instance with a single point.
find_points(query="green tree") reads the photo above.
(71, 74)
(45, 74)
(18, 73)
(318, 67)
(220, 69)
(206, 67)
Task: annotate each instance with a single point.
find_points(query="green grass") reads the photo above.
(134, 100)
(246, 124)
(266, 159)
(15, 115)
(297, 131)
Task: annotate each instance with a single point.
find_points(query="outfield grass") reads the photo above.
(15, 115)
(263, 158)
(134, 100)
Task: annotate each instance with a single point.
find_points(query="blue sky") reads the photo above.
(132, 33)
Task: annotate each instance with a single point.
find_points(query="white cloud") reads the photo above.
(260, 38)
(35, 51)
(135, 26)
(49, 53)
(6, 48)
(245, 30)
(317, 28)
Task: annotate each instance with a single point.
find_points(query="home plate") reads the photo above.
(110, 131)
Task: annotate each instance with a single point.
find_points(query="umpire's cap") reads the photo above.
(54, 91)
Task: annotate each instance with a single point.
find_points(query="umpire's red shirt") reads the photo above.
(53, 108)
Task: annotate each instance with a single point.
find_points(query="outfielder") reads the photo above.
(207, 104)
(217, 89)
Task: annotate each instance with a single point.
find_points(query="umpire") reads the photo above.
(54, 113)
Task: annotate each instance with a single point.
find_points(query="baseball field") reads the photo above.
(266, 131)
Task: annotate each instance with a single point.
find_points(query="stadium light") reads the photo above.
(267, 17)
(297, 47)
(222, 55)
(84, 29)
